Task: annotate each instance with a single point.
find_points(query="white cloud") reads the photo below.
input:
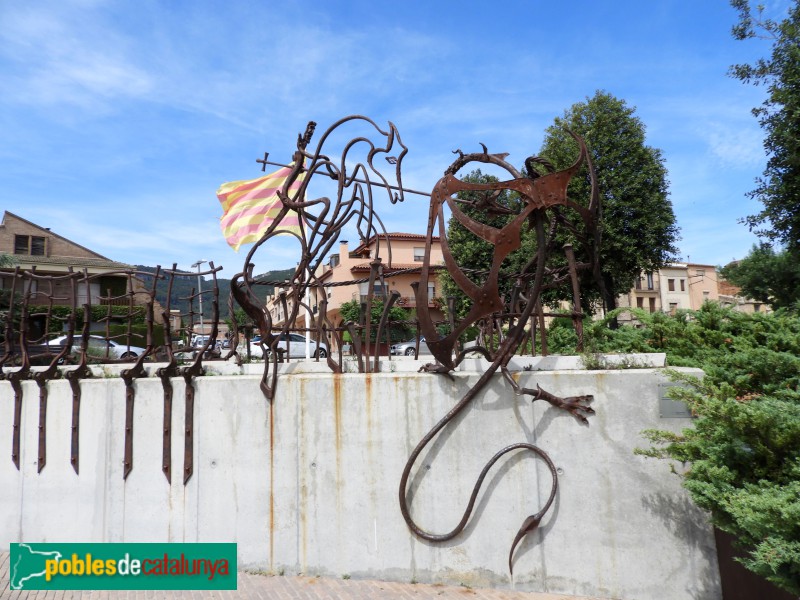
(736, 146)
(58, 63)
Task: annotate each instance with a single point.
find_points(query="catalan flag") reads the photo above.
(250, 207)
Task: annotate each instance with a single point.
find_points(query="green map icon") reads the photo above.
(28, 564)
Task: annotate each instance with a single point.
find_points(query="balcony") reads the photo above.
(406, 301)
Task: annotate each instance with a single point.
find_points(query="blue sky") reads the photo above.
(119, 120)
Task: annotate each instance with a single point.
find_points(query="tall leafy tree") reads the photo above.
(639, 226)
(766, 275)
(778, 189)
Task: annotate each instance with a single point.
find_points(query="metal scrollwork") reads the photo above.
(506, 321)
(539, 194)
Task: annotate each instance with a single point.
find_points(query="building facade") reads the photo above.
(682, 286)
(35, 248)
(703, 282)
(675, 288)
(398, 252)
(645, 295)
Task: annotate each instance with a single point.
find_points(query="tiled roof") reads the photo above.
(66, 261)
(394, 267)
(397, 236)
(412, 236)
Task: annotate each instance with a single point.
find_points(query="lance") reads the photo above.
(264, 162)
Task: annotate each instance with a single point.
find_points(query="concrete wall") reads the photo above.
(310, 484)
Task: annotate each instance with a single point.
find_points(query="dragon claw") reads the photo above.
(577, 406)
(435, 368)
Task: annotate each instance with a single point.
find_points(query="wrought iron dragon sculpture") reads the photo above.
(545, 208)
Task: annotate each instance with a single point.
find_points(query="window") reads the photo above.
(90, 294)
(378, 292)
(29, 244)
(650, 285)
(98, 345)
(652, 305)
(671, 285)
(673, 308)
(683, 285)
(756, 307)
(21, 244)
(419, 254)
(37, 246)
(638, 284)
(640, 303)
(700, 272)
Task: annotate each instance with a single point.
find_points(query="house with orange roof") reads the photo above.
(346, 277)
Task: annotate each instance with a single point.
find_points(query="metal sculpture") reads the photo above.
(322, 220)
(538, 194)
(543, 196)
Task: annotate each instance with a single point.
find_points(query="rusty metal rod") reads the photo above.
(391, 187)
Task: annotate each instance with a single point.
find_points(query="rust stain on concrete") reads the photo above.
(368, 398)
(337, 411)
(271, 483)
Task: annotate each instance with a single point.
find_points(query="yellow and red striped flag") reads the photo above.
(250, 207)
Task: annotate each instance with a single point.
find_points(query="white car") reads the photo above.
(98, 347)
(409, 348)
(296, 344)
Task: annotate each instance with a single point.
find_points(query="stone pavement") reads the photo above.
(265, 587)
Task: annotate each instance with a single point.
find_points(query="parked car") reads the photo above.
(198, 340)
(197, 343)
(99, 347)
(408, 348)
(214, 351)
(296, 345)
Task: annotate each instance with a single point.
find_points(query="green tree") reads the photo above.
(742, 453)
(768, 276)
(638, 224)
(778, 189)
(399, 330)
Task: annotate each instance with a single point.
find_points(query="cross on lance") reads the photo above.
(390, 159)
